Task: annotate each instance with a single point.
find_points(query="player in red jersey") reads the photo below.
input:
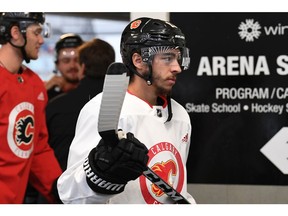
(25, 155)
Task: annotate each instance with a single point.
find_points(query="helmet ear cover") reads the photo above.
(5, 28)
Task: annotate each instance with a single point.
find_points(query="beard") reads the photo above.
(158, 84)
(160, 88)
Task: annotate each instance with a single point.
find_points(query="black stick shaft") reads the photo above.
(165, 187)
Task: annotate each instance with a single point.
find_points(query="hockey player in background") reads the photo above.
(66, 73)
(24, 152)
(158, 128)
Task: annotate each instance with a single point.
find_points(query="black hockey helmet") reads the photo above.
(68, 40)
(21, 19)
(143, 33)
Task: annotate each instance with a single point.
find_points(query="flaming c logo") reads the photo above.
(135, 24)
(21, 129)
(165, 171)
(24, 131)
(165, 161)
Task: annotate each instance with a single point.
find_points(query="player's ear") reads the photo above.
(16, 36)
(138, 62)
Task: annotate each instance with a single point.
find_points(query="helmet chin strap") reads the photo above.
(170, 114)
(149, 77)
(22, 48)
(27, 60)
(148, 80)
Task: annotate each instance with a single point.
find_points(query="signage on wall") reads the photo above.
(236, 93)
(276, 150)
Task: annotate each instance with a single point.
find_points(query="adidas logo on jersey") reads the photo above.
(185, 138)
(41, 96)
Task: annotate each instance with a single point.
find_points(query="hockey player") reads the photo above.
(155, 53)
(66, 74)
(24, 151)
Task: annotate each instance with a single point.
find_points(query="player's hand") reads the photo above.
(54, 81)
(116, 165)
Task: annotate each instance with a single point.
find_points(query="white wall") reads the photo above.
(157, 15)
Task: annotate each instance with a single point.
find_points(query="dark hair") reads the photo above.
(97, 55)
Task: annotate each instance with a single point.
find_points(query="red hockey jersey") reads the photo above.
(24, 150)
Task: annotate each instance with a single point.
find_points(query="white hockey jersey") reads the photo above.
(168, 144)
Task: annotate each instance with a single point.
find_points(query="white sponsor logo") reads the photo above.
(250, 30)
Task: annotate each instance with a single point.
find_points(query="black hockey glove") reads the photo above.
(108, 168)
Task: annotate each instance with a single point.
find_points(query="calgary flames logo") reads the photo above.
(135, 24)
(21, 129)
(166, 171)
(166, 162)
(24, 131)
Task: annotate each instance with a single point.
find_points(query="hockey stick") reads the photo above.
(114, 90)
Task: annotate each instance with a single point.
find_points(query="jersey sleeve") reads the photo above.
(72, 185)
